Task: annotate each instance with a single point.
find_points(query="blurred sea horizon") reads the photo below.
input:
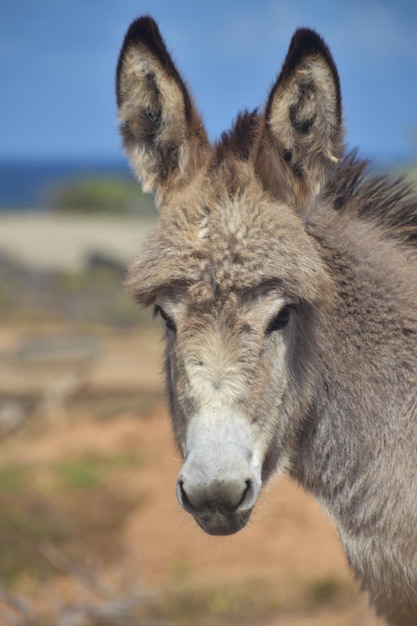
(26, 183)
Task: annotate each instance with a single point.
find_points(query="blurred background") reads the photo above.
(90, 532)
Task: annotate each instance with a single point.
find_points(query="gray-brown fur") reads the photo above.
(287, 280)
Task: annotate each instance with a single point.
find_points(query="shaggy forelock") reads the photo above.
(228, 242)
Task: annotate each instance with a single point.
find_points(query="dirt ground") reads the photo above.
(286, 569)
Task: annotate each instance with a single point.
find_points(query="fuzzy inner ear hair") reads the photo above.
(305, 44)
(302, 136)
(144, 33)
(161, 130)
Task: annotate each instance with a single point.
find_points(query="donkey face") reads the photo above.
(230, 266)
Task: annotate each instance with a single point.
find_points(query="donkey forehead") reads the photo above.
(214, 243)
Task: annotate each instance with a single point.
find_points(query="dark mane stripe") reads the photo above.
(239, 139)
(390, 202)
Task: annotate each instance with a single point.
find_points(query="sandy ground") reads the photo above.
(63, 242)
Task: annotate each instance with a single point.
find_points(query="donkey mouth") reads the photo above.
(221, 524)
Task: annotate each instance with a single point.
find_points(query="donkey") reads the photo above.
(287, 280)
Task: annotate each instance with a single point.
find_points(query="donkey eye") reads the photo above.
(169, 323)
(280, 321)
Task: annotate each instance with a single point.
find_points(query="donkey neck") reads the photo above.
(363, 348)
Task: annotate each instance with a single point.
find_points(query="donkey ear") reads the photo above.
(161, 131)
(302, 136)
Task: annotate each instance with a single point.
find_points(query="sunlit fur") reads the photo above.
(276, 215)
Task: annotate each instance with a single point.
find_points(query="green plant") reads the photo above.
(88, 473)
(324, 591)
(15, 478)
(98, 194)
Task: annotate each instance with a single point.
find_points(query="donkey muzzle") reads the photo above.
(218, 484)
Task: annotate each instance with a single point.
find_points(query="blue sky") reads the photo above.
(58, 57)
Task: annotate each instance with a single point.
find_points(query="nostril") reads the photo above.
(247, 495)
(183, 498)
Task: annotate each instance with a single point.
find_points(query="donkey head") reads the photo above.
(230, 267)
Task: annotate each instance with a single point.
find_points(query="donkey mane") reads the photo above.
(239, 140)
(388, 201)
